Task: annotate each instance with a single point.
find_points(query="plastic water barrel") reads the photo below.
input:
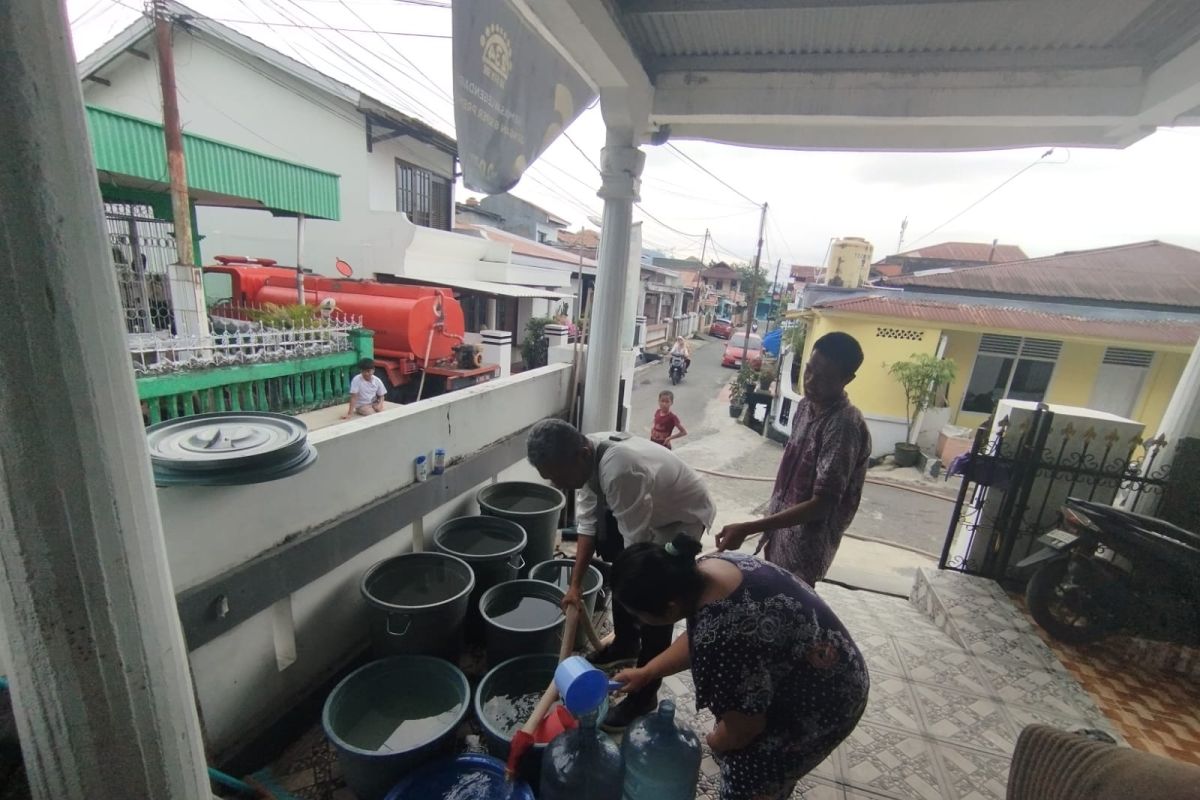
(418, 602)
(472, 776)
(533, 506)
(662, 758)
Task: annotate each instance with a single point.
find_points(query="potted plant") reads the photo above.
(737, 397)
(920, 378)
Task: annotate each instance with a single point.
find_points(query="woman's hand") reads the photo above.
(633, 679)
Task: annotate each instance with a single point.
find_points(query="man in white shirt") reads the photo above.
(366, 391)
(627, 490)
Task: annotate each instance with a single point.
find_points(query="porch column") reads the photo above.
(621, 165)
(1180, 421)
(97, 663)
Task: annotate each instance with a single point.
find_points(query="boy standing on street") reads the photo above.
(366, 391)
(662, 431)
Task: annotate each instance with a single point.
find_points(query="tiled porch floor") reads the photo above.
(955, 675)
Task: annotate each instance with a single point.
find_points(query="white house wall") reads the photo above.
(241, 681)
(252, 105)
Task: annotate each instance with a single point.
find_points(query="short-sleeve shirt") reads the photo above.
(774, 647)
(652, 494)
(365, 392)
(665, 423)
(827, 455)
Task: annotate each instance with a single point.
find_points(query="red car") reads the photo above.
(738, 343)
(721, 328)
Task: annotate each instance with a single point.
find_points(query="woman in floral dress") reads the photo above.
(772, 662)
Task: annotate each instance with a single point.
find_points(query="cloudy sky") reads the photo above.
(399, 52)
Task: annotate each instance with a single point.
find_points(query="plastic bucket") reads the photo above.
(492, 546)
(391, 716)
(558, 572)
(523, 678)
(533, 506)
(471, 776)
(520, 618)
(418, 603)
(582, 687)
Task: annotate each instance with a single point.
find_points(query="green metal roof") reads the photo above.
(129, 146)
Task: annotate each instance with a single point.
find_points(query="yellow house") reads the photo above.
(1106, 329)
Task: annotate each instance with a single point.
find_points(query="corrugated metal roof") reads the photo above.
(1181, 333)
(125, 145)
(967, 251)
(705, 28)
(1146, 273)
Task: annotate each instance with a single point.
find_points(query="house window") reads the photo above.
(1010, 367)
(720, 285)
(423, 196)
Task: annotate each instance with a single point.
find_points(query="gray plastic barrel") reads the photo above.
(506, 640)
(522, 676)
(557, 571)
(418, 603)
(491, 545)
(533, 506)
(392, 715)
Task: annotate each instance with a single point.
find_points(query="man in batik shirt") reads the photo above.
(821, 475)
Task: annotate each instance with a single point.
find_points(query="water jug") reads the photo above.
(582, 764)
(662, 758)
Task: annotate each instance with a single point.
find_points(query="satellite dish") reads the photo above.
(344, 269)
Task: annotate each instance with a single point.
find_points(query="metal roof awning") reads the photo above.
(482, 287)
(912, 75)
(130, 154)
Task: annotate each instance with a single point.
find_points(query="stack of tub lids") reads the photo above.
(228, 448)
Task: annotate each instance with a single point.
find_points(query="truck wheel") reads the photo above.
(394, 394)
(1065, 607)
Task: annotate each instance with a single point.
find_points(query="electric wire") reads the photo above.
(712, 175)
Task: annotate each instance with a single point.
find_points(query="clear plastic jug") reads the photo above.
(662, 758)
(583, 764)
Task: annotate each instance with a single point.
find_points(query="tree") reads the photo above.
(752, 283)
(921, 378)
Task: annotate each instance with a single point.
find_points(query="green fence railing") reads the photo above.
(288, 387)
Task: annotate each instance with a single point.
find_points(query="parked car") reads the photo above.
(721, 328)
(737, 343)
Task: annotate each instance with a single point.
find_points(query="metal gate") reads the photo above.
(1014, 480)
(142, 250)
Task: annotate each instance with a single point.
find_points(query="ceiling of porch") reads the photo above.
(889, 74)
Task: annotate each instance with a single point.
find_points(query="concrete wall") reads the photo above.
(226, 96)
(250, 675)
(520, 217)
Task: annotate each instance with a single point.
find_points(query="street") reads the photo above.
(721, 449)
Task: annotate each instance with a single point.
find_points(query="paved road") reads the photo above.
(886, 513)
(698, 388)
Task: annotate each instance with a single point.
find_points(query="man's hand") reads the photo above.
(348, 415)
(633, 679)
(573, 597)
(732, 536)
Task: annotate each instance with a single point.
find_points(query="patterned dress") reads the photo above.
(774, 647)
(826, 455)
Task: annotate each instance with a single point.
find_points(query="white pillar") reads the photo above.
(556, 335)
(639, 335)
(490, 322)
(621, 164)
(1181, 420)
(97, 663)
(632, 286)
(497, 349)
(187, 301)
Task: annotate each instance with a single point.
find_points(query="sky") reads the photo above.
(399, 51)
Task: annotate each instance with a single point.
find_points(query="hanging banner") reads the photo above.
(513, 94)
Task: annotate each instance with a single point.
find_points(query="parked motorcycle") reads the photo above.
(1106, 570)
(677, 369)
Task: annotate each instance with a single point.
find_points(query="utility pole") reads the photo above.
(176, 165)
(184, 279)
(704, 247)
(762, 226)
(903, 228)
(774, 285)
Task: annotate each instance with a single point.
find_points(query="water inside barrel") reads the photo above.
(508, 712)
(397, 721)
(524, 612)
(520, 503)
(418, 587)
(478, 542)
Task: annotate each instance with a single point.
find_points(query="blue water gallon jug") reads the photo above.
(583, 764)
(662, 757)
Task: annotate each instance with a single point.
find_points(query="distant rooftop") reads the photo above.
(1149, 273)
(982, 252)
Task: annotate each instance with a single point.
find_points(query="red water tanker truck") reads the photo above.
(417, 328)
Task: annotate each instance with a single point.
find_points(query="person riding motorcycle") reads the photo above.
(680, 348)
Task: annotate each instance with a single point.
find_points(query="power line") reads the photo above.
(336, 28)
(586, 157)
(710, 174)
(440, 91)
(988, 194)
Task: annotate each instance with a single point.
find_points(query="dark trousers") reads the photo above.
(650, 639)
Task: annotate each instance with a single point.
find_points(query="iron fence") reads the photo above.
(236, 337)
(1017, 475)
(143, 249)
